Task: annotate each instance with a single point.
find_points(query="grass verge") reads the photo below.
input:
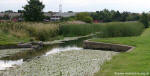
(134, 61)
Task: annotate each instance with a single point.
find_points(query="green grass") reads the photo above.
(6, 38)
(137, 60)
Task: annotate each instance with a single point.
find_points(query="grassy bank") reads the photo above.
(26, 31)
(7, 38)
(134, 61)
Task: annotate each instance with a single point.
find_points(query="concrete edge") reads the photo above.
(107, 46)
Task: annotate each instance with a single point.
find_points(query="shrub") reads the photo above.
(84, 16)
(88, 19)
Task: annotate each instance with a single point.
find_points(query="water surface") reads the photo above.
(64, 59)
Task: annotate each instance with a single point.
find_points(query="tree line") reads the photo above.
(112, 15)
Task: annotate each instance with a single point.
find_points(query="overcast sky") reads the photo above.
(82, 5)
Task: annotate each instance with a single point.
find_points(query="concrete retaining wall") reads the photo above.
(106, 46)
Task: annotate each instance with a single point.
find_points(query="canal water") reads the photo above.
(27, 55)
(63, 59)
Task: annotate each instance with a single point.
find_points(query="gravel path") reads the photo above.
(68, 63)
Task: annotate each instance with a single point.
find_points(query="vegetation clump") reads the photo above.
(122, 29)
(25, 31)
(112, 15)
(38, 31)
(84, 16)
(42, 31)
(79, 29)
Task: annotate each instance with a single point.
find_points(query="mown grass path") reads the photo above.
(137, 60)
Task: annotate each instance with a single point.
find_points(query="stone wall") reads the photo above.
(34, 45)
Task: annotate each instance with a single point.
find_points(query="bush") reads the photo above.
(122, 29)
(84, 16)
(88, 19)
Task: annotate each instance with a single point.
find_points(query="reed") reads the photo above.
(122, 29)
(79, 29)
(38, 31)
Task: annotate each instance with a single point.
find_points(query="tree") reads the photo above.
(84, 16)
(6, 17)
(33, 11)
(20, 11)
(112, 15)
(144, 20)
(124, 16)
(50, 12)
(88, 19)
(95, 16)
(106, 15)
(117, 16)
(149, 17)
(70, 11)
(9, 11)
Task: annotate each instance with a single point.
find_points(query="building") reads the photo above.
(55, 16)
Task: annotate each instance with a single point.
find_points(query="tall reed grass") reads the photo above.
(42, 31)
(16, 29)
(122, 29)
(79, 29)
(47, 31)
(38, 31)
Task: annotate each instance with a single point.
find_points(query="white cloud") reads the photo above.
(83, 5)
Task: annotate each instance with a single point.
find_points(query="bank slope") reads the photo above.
(134, 61)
